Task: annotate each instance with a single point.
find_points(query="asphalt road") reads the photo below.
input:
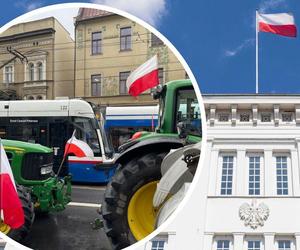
(72, 228)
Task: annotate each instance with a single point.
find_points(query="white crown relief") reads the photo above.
(254, 215)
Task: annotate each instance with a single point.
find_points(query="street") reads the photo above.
(72, 228)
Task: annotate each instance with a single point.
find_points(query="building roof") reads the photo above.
(27, 34)
(88, 13)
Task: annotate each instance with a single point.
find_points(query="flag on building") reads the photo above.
(143, 78)
(11, 208)
(78, 148)
(281, 24)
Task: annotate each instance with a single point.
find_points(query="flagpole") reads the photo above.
(65, 154)
(256, 47)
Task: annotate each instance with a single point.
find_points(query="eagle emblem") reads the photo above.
(254, 215)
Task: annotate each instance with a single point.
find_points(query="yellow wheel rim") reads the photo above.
(4, 228)
(140, 214)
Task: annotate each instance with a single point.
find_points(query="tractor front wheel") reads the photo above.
(127, 210)
(28, 208)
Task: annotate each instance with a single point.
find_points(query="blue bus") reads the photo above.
(122, 122)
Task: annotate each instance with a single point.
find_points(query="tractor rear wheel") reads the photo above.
(127, 210)
(21, 233)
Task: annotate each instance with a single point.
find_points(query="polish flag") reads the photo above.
(11, 207)
(143, 78)
(281, 24)
(78, 148)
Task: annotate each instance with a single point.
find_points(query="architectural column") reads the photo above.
(298, 154)
(270, 172)
(295, 173)
(208, 241)
(276, 114)
(241, 168)
(297, 241)
(254, 114)
(297, 112)
(238, 241)
(212, 114)
(233, 114)
(213, 171)
(269, 241)
(171, 241)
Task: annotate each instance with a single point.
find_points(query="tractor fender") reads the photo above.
(162, 144)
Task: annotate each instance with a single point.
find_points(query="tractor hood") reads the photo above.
(29, 147)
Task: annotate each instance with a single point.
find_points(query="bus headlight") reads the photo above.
(47, 169)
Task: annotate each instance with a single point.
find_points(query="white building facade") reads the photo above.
(248, 194)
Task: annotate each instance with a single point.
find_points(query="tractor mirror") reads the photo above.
(182, 130)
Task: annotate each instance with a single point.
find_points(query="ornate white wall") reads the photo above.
(263, 125)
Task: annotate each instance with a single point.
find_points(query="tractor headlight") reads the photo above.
(47, 169)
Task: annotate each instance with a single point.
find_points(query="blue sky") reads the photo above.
(217, 39)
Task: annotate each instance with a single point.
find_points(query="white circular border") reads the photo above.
(50, 8)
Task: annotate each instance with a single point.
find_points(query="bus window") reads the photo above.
(26, 132)
(85, 131)
(120, 135)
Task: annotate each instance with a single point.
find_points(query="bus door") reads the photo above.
(58, 136)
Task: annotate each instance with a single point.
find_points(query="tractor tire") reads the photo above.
(21, 233)
(131, 177)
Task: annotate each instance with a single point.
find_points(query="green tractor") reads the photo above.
(128, 210)
(39, 190)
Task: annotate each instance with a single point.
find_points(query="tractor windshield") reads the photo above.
(188, 111)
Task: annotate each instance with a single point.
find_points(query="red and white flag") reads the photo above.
(78, 148)
(143, 78)
(281, 24)
(11, 207)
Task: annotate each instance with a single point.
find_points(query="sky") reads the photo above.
(216, 38)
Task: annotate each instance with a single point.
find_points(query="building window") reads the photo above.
(158, 245)
(161, 75)
(40, 71)
(254, 175)
(244, 117)
(125, 38)
(96, 43)
(223, 117)
(8, 74)
(287, 117)
(122, 82)
(155, 41)
(284, 245)
(31, 71)
(227, 175)
(39, 97)
(223, 244)
(266, 117)
(282, 175)
(96, 85)
(254, 245)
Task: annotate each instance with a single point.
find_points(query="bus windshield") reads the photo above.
(108, 147)
(86, 131)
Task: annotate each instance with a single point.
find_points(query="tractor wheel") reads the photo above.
(21, 233)
(127, 210)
